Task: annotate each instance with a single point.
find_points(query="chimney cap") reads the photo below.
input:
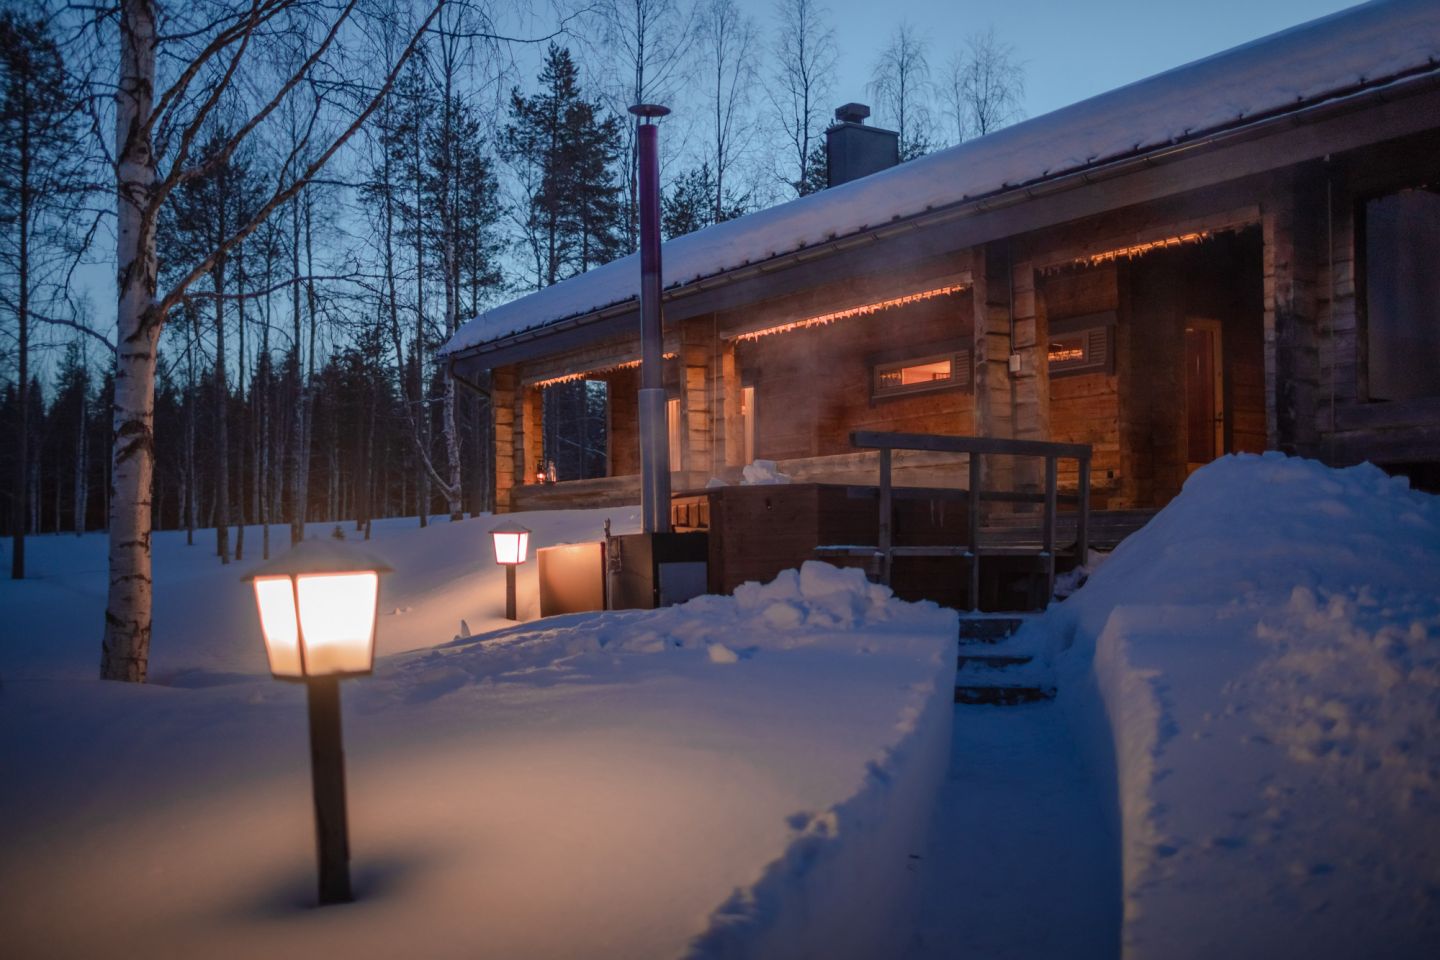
(852, 113)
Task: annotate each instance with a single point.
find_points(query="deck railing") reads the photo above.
(978, 448)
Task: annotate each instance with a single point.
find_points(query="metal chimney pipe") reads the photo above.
(654, 437)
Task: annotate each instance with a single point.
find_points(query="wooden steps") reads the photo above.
(989, 674)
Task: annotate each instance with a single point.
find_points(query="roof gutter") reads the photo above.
(1395, 87)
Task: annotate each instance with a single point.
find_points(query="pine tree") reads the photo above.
(690, 205)
(566, 147)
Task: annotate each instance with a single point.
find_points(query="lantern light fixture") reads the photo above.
(512, 546)
(318, 605)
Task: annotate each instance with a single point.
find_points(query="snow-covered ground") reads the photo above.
(1242, 758)
(1260, 666)
(742, 776)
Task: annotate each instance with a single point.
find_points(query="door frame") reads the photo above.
(1219, 412)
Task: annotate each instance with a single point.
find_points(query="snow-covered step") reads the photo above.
(991, 669)
(1003, 694)
(985, 660)
(988, 629)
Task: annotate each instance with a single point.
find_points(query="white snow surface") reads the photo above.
(733, 777)
(1260, 665)
(1331, 56)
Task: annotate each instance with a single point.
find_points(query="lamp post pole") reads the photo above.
(510, 592)
(654, 438)
(327, 774)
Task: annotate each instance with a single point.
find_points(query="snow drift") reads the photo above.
(637, 784)
(1266, 654)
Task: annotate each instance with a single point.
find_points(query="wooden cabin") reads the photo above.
(1241, 254)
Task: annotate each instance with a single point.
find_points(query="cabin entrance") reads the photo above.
(1204, 393)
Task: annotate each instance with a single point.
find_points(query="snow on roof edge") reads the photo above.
(1362, 46)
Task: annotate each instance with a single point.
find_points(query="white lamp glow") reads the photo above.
(318, 605)
(512, 543)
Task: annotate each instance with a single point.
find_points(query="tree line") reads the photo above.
(306, 199)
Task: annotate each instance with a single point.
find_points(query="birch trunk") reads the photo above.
(125, 650)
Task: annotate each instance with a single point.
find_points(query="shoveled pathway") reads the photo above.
(1021, 862)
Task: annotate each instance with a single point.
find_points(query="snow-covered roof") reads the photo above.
(1365, 45)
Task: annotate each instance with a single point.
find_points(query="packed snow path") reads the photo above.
(1021, 861)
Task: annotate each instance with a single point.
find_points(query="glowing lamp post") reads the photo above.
(512, 544)
(318, 606)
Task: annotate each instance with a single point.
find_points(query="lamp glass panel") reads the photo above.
(276, 600)
(511, 547)
(337, 617)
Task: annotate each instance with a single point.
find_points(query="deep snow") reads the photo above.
(640, 784)
(1261, 667)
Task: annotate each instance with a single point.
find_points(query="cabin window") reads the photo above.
(921, 374)
(1402, 294)
(574, 429)
(1080, 345)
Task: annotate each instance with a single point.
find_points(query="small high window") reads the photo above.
(922, 374)
(1081, 345)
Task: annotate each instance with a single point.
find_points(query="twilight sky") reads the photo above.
(1072, 49)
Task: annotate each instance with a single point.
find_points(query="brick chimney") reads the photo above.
(853, 150)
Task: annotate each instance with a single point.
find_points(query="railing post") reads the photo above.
(1051, 485)
(1082, 525)
(883, 541)
(975, 531)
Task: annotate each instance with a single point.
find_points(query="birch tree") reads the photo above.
(647, 44)
(727, 41)
(802, 77)
(984, 86)
(158, 119)
(900, 83)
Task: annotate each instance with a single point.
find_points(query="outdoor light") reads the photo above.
(318, 606)
(512, 544)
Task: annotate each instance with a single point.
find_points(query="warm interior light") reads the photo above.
(917, 373)
(511, 546)
(275, 596)
(862, 310)
(337, 621)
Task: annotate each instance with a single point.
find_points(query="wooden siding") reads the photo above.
(813, 386)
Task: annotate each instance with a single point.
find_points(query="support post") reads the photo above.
(510, 592)
(1051, 482)
(327, 773)
(975, 482)
(1082, 523)
(886, 515)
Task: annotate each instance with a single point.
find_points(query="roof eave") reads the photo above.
(1353, 98)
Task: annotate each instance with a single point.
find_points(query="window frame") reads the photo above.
(960, 374)
(1086, 326)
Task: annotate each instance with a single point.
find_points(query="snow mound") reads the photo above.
(1267, 658)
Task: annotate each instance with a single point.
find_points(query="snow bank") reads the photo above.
(1265, 655)
(607, 785)
(1365, 46)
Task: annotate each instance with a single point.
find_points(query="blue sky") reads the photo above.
(1071, 49)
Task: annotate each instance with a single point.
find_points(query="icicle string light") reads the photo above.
(828, 318)
(1139, 249)
(587, 374)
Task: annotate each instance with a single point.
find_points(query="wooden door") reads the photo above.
(1204, 394)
